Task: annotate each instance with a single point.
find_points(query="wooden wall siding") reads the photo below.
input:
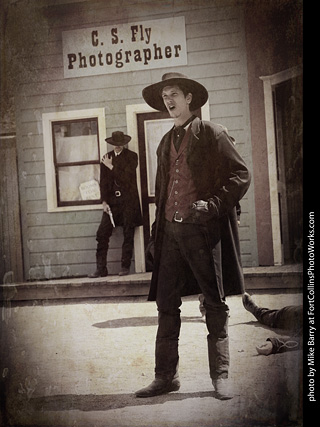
(216, 58)
(10, 233)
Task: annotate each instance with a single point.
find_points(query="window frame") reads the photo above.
(48, 120)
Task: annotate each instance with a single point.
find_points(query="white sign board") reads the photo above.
(90, 190)
(124, 47)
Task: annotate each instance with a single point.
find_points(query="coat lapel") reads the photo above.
(193, 140)
(164, 150)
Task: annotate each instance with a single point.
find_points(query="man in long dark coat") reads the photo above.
(200, 179)
(120, 202)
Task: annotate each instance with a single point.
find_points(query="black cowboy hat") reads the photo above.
(153, 94)
(118, 138)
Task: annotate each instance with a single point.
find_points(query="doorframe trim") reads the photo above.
(131, 115)
(132, 128)
(269, 82)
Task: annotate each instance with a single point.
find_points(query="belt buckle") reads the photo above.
(176, 219)
(117, 193)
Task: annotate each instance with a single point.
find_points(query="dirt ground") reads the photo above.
(71, 363)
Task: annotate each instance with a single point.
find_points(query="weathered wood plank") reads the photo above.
(11, 253)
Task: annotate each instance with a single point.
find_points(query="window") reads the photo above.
(74, 143)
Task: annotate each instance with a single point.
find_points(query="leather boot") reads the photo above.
(222, 388)
(249, 304)
(218, 344)
(101, 270)
(159, 386)
(98, 273)
(124, 271)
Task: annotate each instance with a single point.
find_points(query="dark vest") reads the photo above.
(181, 191)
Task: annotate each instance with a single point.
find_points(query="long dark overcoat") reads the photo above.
(218, 172)
(123, 178)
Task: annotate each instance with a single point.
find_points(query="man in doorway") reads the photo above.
(120, 202)
(200, 179)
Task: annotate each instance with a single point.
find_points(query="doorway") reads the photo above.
(283, 114)
(287, 98)
(147, 126)
(151, 127)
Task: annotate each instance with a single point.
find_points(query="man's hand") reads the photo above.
(203, 210)
(107, 161)
(105, 207)
(200, 206)
(265, 349)
(107, 210)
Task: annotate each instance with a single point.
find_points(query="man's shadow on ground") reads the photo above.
(257, 324)
(140, 322)
(153, 321)
(90, 402)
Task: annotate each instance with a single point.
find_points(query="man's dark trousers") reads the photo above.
(289, 317)
(104, 233)
(185, 249)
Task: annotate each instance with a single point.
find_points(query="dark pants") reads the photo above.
(289, 317)
(103, 236)
(185, 248)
